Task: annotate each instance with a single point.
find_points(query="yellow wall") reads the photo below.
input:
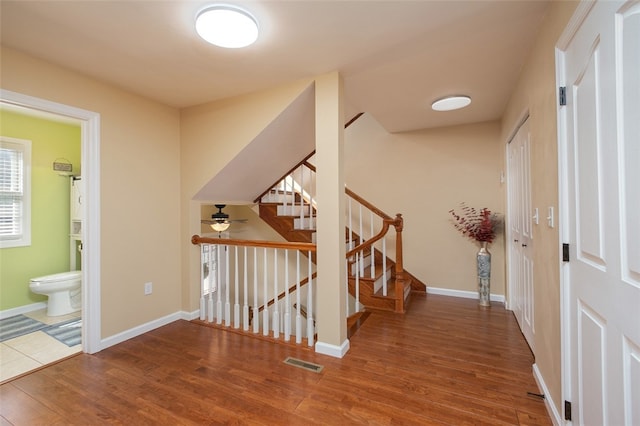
(536, 93)
(423, 174)
(140, 175)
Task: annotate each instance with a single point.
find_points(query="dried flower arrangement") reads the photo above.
(479, 225)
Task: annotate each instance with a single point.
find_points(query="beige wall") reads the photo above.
(536, 93)
(139, 160)
(211, 135)
(422, 175)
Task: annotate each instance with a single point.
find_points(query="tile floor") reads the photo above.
(22, 354)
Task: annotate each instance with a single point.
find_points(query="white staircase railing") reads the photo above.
(295, 191)
(275, 279)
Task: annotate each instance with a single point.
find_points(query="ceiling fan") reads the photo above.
(220, 221)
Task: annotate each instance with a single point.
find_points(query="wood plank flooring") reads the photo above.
(446, 362)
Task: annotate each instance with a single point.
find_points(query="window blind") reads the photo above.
(11, 190)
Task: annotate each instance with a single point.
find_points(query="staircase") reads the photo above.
(375, 280)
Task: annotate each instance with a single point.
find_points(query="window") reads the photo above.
(15, 192)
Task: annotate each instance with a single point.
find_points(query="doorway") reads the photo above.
(598, 63)
(519, 232)
(90, 158)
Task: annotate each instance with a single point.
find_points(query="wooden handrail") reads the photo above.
(303, 161)
(385, 228)
(197, 239)
(367, 204)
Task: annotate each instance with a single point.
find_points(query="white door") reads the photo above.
(600, 68)
(520, 232)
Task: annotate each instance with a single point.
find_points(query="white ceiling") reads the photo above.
(395, 56)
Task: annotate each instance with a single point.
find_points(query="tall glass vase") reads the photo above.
(484, 275)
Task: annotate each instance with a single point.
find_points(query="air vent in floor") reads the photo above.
(303, 364)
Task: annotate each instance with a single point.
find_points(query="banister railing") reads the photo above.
(233, 269)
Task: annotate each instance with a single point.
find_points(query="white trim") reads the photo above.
(463, 293)
(333, 350)
(90, 147)
(548, 402)
(574, 24)
(139, 330)
(190, 316)
(22, 310)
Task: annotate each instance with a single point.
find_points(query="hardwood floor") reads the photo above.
(446, 361)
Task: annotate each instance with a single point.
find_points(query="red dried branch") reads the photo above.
(479, 225)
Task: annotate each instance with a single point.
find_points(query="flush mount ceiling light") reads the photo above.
(451, 102)
(227, 26)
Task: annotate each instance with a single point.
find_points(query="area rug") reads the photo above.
(17, 326)
(68, 332)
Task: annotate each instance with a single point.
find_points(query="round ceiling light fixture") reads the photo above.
(227, 26)
(450, 103)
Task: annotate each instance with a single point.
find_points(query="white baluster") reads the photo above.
(287, 309)
(310, 327)
(372, 252)
(265, 308)
(298, 316)
(245, 306)
(361, 241)
(236, 306)
(350, 234)
(357, 291)
(302, 218)
(346, 273)
(276, 311)
(256, 310)
(285, 197)
(204, 251)
(384, 266)
(227, 287)
(219, 288)
(212, 280)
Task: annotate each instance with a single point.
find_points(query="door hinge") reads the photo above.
(565, 252)
(567, 410)
(562, 95)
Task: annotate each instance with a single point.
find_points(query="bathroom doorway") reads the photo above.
(90, 159)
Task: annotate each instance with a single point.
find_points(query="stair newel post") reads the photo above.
(256, 310)
(276, 311)
(287, 309)
(399, 269)
(245, 306)
(265, 310)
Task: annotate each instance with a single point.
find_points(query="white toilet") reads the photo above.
(63, 290)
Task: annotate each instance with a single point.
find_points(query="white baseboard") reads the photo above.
(333, 350)
(548, 402)
(189, 316)
(22, 310)
(462, 293)
(137, 331)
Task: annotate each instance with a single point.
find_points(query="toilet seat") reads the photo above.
(55, 278)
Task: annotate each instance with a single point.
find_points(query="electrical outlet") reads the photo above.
(148, 288)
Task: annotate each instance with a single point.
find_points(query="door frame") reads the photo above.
(564, 40)
(90, 158)
(524, 115)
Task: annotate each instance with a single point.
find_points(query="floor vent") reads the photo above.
(304, 364)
